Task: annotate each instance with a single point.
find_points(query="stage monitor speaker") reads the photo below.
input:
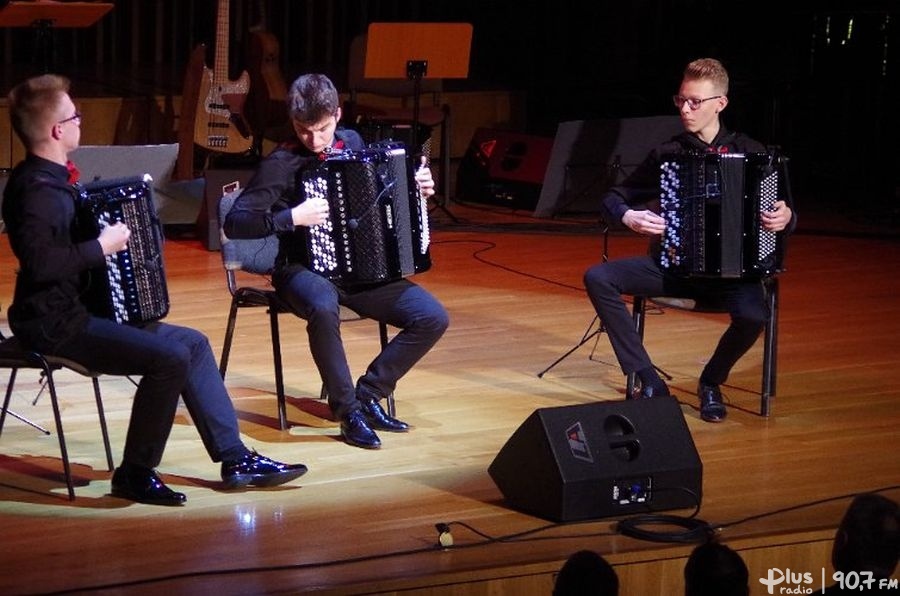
(503, 168)
(599, 460)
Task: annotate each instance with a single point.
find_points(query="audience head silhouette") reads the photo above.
(713, 569)
(586, 573)
(868, 538)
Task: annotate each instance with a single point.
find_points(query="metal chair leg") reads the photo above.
(103, 428)
(637, 313)
(229, 336)
(64, 452)
(770, 349)
(279, 371)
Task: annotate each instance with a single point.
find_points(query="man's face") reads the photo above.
(317, 136)
(706, 113)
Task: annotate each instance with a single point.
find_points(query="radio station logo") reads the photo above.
(788, 581)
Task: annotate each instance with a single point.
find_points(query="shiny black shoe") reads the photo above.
(712, 407)
(256, 470)
(379, 419)
(355, 431)
(142, 485)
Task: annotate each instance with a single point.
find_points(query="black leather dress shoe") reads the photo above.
(142, 485)
(712, 407)
(356, 431)
(256, 470)
(379, 419)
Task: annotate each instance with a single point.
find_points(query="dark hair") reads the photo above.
(311, 98)
(868, 538)
(586, 573)
(713, 569)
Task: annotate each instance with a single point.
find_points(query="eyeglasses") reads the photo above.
(690, 101)
(77, 117)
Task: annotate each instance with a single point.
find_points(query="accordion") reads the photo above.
(712, 203)
(377, 228)
(131, 288)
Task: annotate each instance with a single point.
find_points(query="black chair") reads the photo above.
(257, 256)
(14, 356)
(770, 335)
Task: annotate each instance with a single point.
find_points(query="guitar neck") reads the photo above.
(220, 64)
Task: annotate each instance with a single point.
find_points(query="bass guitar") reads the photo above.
(220, 125)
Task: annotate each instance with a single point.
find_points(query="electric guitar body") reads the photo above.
(220, 125)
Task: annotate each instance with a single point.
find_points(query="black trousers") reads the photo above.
(172, 361)
(744, 300)
(421, 319)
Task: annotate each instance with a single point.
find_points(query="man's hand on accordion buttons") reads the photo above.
(312, 212)
(778, 218)
(644, 222)
(424, 179)
(114, 238)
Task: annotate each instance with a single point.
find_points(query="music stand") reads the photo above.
(44, 15)
(417, 51)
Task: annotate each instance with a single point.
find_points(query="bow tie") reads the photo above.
(74, 174)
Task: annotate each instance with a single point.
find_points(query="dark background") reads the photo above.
(818, 79)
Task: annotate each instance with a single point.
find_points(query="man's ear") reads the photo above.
(721, 103)
(56, 131)
(337, 114)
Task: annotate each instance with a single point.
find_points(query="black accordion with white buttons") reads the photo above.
(712, 203)
(377, 228)
(131, 288)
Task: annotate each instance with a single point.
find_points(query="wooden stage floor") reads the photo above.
(364, 522)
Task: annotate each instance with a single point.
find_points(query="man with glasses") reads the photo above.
(702, 96)
(39, 208)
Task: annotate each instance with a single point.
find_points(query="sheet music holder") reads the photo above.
(417, 51)
(44, 15)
